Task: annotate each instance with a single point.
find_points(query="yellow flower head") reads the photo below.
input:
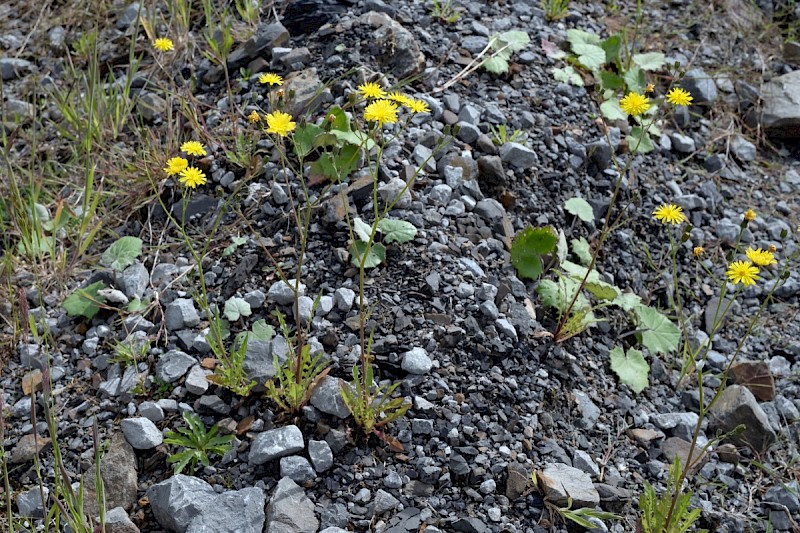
(418, 106)
(382, 112)
(163, 44)
(193, 148)
(192, 177)
(254, 117)
(634, 104)
(743, 272)
(650, 88)
(761, 257)
(679, 96)
(271, 78)
(749, 215)
(371, 90)
(400, 98)
(175, 166)
(698, 251)
(280, 123)
(670, 214)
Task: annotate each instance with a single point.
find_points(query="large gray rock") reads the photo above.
(282, 293)
(259, 360)
(561, 482)
(327, 397)
(737, 405)
(176, 501)
(29, 503)
(276, 443)
(118, 471)
(518, 156)
(290, 510)
(780, 115)
(141, 433)
(180, 313)
(297, 468)
(701, 86)
(266, 37)
(305, 85)
(416, 361)
(399, 50)
(118, 521)
(173, 365)
(320, 454)
(241, 511)
(133, 280)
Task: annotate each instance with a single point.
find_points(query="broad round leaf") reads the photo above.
(122, 253)
(580, 208)
(85, 302)
(515, 39)
(649, 61)
(528, 247)
(398, 231)
(236, 307)
(581, 248)
(375, 256)
(631, 368)
(657, 333)
(590, 56)
(567, 75)
(496, 65)
(362, 229)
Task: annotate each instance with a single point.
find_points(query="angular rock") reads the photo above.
(469, 525)
(173, 365)
(118, 521)
(11, 67)
(583, 461)
(395, 190)
(133, 280)
(29, 503)
(518, 156)
(27, 447)
(737, 405)
(141, 433)
(327, 397)
(241, 511)
(490, 209)
(276, 443)
(297, 468)
(176, 501)
(561, 482)
(321, 455)
(282, 293)
(416, 361)
(305, 86)
(676, 447)
(180, 313)
(780, 114)
(399, 49)
(756, 376)
(701, 86)
(259, 363)
(384, 502)
(196, 381)
(290, 510)
(120, 481)
(491, 171)
(743, 149)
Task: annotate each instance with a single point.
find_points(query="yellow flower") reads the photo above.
(163, 44)
(742, 272)
(382, 112)
(192, 177)
(418, 106)
(280, 123)
(254, 117)
(271, 78)
(175, 166)
(749, 215)
(371, 90)
(670, 214)
(193, 148)
(634, 104)
(650, 88)
(679, 96)
(400, 98)
(761, 257)
(698, 251)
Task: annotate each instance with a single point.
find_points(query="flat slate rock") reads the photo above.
(562, 482)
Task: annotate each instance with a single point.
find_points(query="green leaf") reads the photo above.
(496, 65)
(634, 79)
(362, 230)
(612, 46)
(515, 39)
(639, 141)
(590, 56)
(375, 256)
(649, 61)
(631, 368)
(236, 307)
(122, 253)
(136, 305)
(602, 290)
(627, 301)
(85, 302)
(575, 36)
(559, 294)
(657, 333)
(567, 75)
(581, 248)
(580, 208)
(398, 231)
(528, 247)
(304, 137)
(561, 247)
(262, 331)
(609, 80)
(235, 243)
(340, 121)
(611, 110)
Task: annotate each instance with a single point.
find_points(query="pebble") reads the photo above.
(417, 361)
(276, 443)
(141, 433)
